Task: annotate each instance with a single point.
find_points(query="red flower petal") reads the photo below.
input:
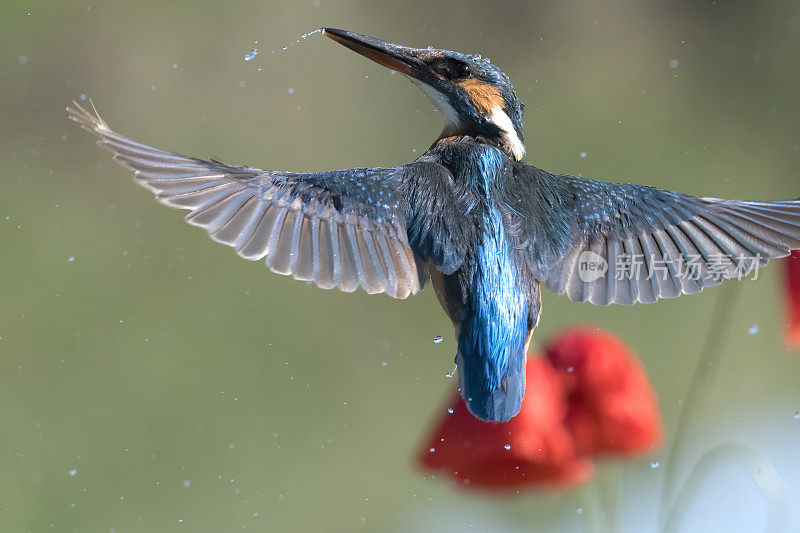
(532, 448)
(793, 300)
(612, 407)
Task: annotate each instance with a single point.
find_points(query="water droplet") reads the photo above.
(242, 84)
(431, 450)
(71, 259)
(507, 446)
(187, 483)
(23, 59)
(450, 410)
(673, 63)
(655, 464)
(438, 339)
(73, 472)
(797, 415)
(83, 97)
(582, 155)
(291, 90)
(249, 56)
(579, 510)
(753, 329)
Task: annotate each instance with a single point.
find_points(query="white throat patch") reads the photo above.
(452, 121)
(499, 118)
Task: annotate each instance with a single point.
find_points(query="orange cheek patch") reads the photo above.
(483, 96)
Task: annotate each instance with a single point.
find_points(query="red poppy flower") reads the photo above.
(612, 407)
(793, 302)
(589, 395)
(533, 447)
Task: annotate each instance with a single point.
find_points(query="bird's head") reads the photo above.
(475, 96)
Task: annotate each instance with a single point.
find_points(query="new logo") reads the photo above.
(591, 266)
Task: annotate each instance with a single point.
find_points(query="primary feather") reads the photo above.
(343, 228)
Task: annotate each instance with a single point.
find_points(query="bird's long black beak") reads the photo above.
(400, 58)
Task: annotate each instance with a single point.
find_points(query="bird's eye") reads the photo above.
(451, 69)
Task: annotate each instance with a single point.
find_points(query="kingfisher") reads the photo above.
(487, 229)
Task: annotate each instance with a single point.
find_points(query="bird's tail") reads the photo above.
(498, 404)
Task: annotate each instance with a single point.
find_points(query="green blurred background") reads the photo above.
(151, 380)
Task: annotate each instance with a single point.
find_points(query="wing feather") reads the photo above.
(657, 244)
(340, 229)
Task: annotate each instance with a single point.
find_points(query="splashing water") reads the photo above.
(303, 37)
(249, 56)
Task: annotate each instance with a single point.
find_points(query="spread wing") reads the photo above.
(654, 243)
(344, 228)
